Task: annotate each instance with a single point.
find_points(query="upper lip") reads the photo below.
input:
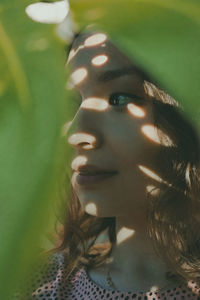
(91, 169)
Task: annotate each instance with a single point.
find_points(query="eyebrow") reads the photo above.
(113, 74)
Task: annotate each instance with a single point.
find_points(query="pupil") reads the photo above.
(121, 99)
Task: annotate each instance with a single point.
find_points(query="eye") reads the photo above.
(121, 99)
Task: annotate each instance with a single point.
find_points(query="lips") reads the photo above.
(88, 179)
(90, 174)
(89, 170)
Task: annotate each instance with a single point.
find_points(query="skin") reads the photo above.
(121, 146)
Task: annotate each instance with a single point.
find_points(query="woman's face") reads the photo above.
(111, 130)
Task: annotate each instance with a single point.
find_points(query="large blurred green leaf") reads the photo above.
(32, 110)
(162, 36)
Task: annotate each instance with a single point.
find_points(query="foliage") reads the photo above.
(33, 109)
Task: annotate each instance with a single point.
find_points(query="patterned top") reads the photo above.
(49, 284)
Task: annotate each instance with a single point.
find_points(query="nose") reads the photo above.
(84, 131)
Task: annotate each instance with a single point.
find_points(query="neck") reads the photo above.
(133, 258)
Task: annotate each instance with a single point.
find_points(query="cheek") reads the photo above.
(128, 144)
(102, 201)
(123, 196)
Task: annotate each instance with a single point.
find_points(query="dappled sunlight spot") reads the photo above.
(91, 209)
(65, 128)
(150, 173)
(73, 180)
(148, 89)
(123, 234)
(135, 110)
(151, 132)
(95, 39)
(154, 289)
(187, 175)
(50, 13)
(78, 76)
(157, 135)
(80, 160)
(99, 60)
(159, 95)
(73, 53)
(152, 190)
(88, 147)
(80, 139)
(109, 260)
(95, 104)
(193, 285)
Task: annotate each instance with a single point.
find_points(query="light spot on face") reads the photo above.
(73, 180)
(99, 60)
(77, 139)
(78, 161)
(73, 53)
(95, 39)
(123, 234)
(65, 128)
(95, 104)
(151, 189)
(150, 174)
(78, 76)
(157, 135)
(91, 209)
(135, 110)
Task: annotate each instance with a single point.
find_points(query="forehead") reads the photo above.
(96, 53)
(89, 45)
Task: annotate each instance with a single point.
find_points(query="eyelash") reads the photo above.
(130, 97)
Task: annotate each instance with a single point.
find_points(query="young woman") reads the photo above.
(132, 227)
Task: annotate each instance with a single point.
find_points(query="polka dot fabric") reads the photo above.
(48, 283)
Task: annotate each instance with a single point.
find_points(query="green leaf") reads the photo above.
(162, 37)
(32, 112)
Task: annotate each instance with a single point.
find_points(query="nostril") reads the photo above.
(83, 140)
(86, 146)
(83, 144)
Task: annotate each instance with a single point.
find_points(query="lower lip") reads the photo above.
(91, 179)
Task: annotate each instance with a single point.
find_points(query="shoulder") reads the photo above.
(42, 276)
(48, 267)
